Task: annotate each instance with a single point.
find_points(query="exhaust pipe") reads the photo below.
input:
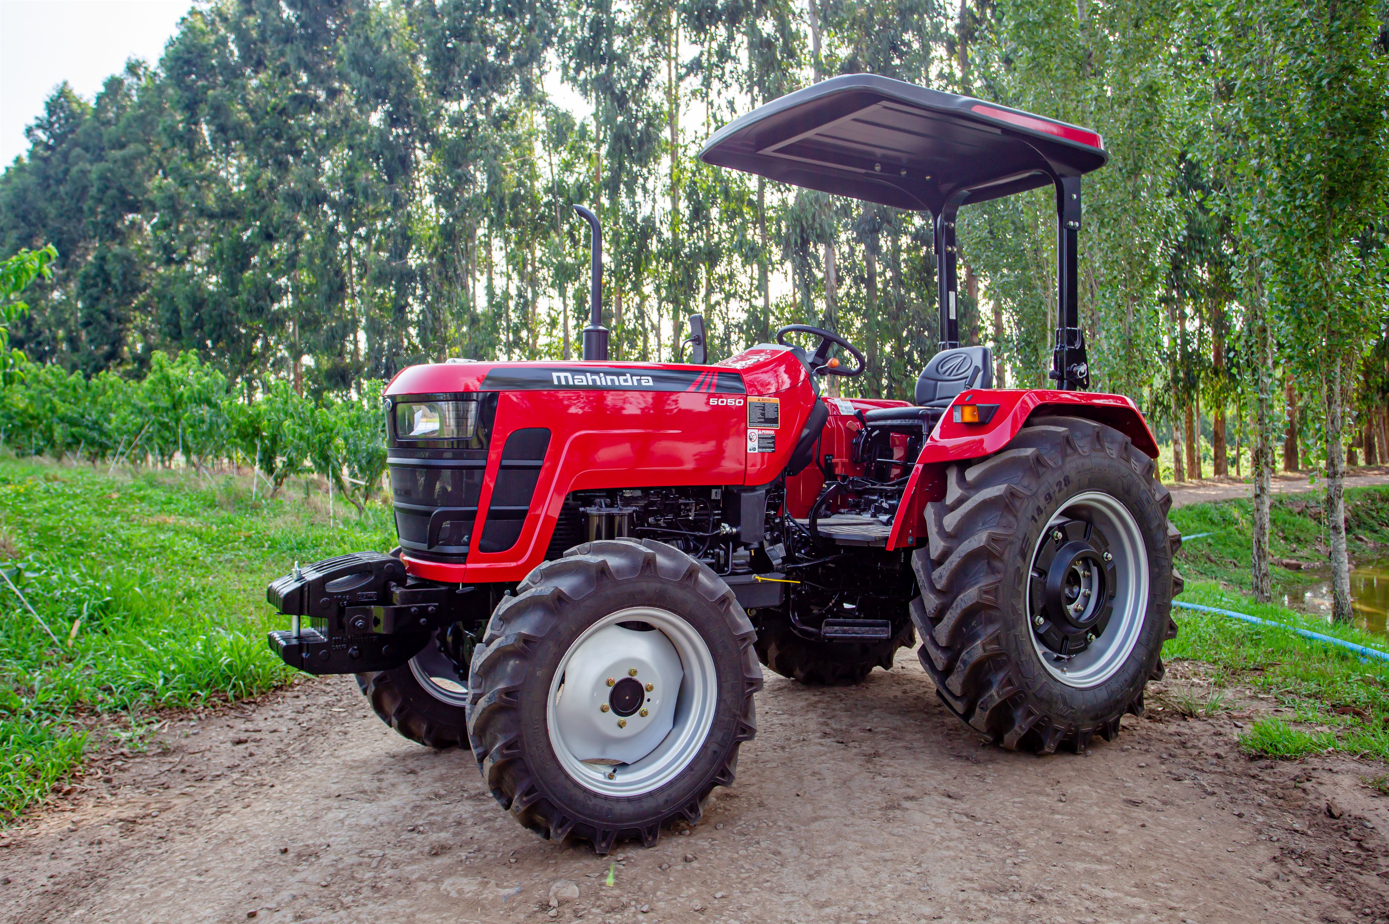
(595, 334)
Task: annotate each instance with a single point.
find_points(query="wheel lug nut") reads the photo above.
(631, 672)
(603, 708)
(643, 713)
(612, 775)
(611, 681)
(1056, 535)
(650, 687)
(621, 723)
(1038, 621)
(1108, 556)
(1090, 637)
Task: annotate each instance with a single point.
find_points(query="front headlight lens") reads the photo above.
(436, 420)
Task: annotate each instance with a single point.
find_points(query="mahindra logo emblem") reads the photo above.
(600, 380)
(953, 367)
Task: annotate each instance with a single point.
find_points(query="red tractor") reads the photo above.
(595, 556)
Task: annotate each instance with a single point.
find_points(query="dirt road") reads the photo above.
(852, 805)
(1217, 489)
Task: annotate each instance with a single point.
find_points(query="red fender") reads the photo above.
(954, 442)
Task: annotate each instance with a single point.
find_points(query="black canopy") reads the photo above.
(886, 141)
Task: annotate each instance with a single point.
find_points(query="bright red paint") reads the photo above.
(1059, 129)
(637, 438)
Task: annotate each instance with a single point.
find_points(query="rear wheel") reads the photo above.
(610, 695)
(1046, 586)
(825, 663)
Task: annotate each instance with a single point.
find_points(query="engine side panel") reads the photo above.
(953, 442)
(614, 425)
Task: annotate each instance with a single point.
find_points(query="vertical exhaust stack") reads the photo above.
(595, 334)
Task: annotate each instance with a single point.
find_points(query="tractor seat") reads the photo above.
(949, 373)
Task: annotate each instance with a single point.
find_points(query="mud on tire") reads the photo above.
(529, 638)
(826, 663)
(974, 613)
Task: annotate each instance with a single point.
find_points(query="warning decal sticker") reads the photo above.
(764, 412)
(761, 440)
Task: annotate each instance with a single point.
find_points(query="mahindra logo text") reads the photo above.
(600, 380)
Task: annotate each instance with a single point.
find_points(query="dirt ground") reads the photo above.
(1230, 488)
(868, 805)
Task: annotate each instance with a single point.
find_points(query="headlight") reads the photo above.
(436, 420)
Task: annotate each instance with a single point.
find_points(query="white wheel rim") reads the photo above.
(438, 675)
(1104, 657)
(646, 751)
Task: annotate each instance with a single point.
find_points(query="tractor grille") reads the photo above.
(437, 481)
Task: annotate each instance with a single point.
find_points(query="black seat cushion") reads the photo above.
(952, 371)
(887, 416)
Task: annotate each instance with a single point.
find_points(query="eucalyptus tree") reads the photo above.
(1309, 83)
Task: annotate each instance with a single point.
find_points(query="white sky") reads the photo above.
(44, 42)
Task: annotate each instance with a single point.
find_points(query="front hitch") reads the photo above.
(364, 614)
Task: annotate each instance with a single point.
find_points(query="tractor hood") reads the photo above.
(449, 378)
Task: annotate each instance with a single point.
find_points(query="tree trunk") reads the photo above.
(564, 313)
(1000, 376)
(815, 38)
(1352, 453)
(1262, 460)
(832, 303)
(1382, 429)
(1193, 460)
(1336, 490)
(1290, 453)
(962, 46)
(1178, 440)
(972, 293)
(673, 127)
(1367, 439)
(1219, 462)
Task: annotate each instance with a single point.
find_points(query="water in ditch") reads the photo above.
(1369, 591)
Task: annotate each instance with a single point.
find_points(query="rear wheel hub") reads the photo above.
(1087, 589)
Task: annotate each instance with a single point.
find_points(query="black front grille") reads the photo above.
(436, 485)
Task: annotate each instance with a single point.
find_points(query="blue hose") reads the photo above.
(1316, 636)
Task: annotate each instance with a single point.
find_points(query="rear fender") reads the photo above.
(955, 442)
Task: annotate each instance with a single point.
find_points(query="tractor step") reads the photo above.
(856, 630)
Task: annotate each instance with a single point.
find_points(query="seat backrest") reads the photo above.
(952, 371)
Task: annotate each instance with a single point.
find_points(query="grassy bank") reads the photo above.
(153, 587)
(1298, 535)
(1328, 698)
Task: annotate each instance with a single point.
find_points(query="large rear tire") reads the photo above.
(610, 695)
(825, 663)
(1046, 586)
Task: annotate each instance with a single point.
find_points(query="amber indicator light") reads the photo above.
(974, 413)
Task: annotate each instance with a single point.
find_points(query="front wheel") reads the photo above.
(610, 695)
(1046, 586)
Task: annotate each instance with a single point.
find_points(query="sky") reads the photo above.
(44, 42)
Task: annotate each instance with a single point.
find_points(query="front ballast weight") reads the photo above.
(364, 614)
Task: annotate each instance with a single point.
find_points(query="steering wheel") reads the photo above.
(820, 363)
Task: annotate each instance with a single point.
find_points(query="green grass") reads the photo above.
(1297, 530)
(1322, 685)
(154, 586)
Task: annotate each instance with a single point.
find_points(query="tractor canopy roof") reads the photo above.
(893, 143)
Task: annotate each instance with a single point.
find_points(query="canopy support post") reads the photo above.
(1070, 368)
(946, 251)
